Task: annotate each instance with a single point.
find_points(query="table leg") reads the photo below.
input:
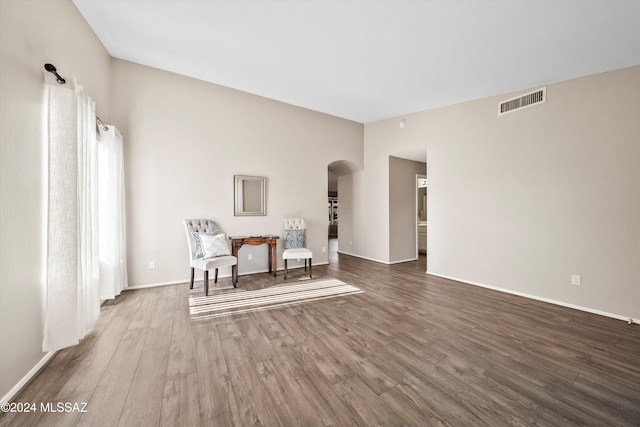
(234, 252)
(274, 252)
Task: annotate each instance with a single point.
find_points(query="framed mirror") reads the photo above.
(250, 195)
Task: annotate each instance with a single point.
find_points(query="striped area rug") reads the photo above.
(227, 304)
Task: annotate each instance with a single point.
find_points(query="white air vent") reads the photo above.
(530, 99)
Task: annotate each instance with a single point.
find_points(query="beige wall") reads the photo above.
(184, 141)
(402, 208)
(364, 206)
(33, 33)
(523, 201)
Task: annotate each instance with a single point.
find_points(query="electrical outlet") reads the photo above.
(576, 280)
(324, 249)
(152, 265)
(249, 257)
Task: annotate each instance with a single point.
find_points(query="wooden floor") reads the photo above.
(411, 350)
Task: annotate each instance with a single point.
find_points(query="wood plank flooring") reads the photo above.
(411, 350)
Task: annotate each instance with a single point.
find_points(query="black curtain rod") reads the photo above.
(52, 69)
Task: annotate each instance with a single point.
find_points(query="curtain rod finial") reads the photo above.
(52, 69)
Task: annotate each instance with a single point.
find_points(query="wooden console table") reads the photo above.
(269, 239)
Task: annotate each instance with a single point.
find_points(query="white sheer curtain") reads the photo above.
(61, 305)
(112, 218)
(73, 283)
(88, 267)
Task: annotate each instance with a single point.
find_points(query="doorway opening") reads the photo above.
(339, 219)
(421, 217)
(333, 214)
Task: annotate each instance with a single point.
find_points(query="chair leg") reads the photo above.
(206, 283)
(234, 275)
(215, 277)
(192, 274)
(309, 268)
(285, 269)
(305, 264)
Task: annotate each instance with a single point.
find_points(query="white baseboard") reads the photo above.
(155, 285)
(293, 267)
(538, 298)
(377, 260)
(247, 273)
(402, 260)
(12, 393)
(363, 257)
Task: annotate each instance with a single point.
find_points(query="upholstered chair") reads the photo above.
(295, 243)
(209, 250)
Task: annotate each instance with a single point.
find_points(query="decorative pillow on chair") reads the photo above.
(214, 245)
(294, 239)
(197, 243)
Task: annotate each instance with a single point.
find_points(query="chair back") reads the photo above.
(294, 224)
(198, 226)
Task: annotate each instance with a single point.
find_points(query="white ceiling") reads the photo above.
(371, 60)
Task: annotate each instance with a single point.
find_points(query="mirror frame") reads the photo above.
(238, 206)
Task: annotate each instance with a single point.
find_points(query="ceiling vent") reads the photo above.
(530, 99)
